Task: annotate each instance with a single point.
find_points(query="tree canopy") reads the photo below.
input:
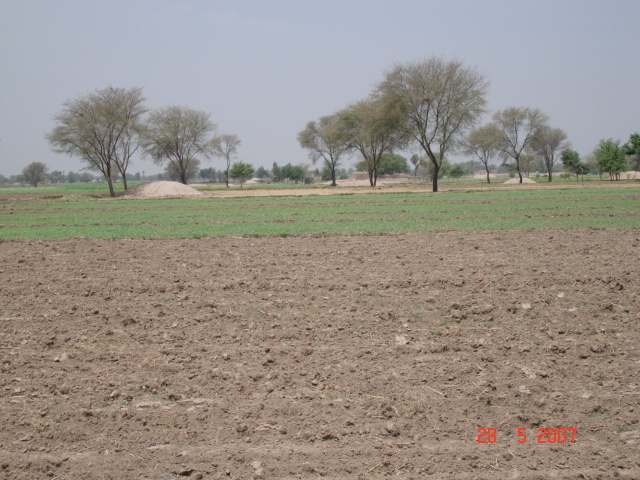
(390, 164)
(632, 150)
(371, 128)
(548, 143)
(518, 127)
(611, 158)
(438, 100)
(242, 172)
(102, 128)
(35, 173)
(179, 135)
(483, 143)
(226, 146)
(324, 142)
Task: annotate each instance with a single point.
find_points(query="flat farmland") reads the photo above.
(358, 335)
(67, 216)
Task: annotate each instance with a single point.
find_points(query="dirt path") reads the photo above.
(308, 358)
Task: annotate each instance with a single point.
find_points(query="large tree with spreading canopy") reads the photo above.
(439, 101)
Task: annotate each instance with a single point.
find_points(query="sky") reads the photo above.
(264, 68)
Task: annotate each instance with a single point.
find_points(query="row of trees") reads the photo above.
(107, 127)
(429, 104)
(609, 156)
(435, 105)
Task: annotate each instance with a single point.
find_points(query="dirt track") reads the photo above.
(348, 357)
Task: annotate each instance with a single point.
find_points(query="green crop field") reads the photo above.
(67, 214)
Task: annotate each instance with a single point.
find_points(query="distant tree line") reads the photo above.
(431, 106)
(434, 105)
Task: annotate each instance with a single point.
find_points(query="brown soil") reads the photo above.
(342, 357)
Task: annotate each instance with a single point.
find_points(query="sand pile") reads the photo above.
(517, 180)
(630, 175)
(163, 189)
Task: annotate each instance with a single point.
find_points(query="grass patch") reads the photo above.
(68, 216)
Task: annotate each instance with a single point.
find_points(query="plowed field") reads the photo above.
(322, 357)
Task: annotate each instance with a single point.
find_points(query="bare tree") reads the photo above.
(323, 140)
(518, 127)
(548, 144)
(35, 173)
(101, 129)
(483, 143)
(372, 129)
(439, 100)
(179, 135)
(226, 146)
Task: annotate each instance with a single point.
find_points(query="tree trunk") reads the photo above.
(488, 176)
(550, 175)
(124, 180)
(436, 169)
(107, 175)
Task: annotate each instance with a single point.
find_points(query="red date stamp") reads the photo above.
(544, 435)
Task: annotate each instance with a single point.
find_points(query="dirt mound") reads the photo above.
(630, 175)
(163, 189)
(517, 180)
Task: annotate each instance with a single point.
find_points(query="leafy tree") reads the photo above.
(242, 172)
(518, 127)
(483, 143)
(548, 143)
(390, 164)
(35, 173)
(438, 100)
(179, 135)
(276, 173)
(56, 177)
(103, 129)
(226, 146)
(456, 171)
(632, 150)
(208, 174)
(582, 169)
(293, 173)
(572, 163)
(570, 160)
(611, 158)
(172, 173)
(3, 180)
(371, 128)
(324, 142)
(262, 173)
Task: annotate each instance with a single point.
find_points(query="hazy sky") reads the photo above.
(263, 69)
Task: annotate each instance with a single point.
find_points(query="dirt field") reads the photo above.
(307, 358)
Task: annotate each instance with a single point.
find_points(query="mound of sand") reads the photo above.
(630, 175)
(517, 180)
(163, 189)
